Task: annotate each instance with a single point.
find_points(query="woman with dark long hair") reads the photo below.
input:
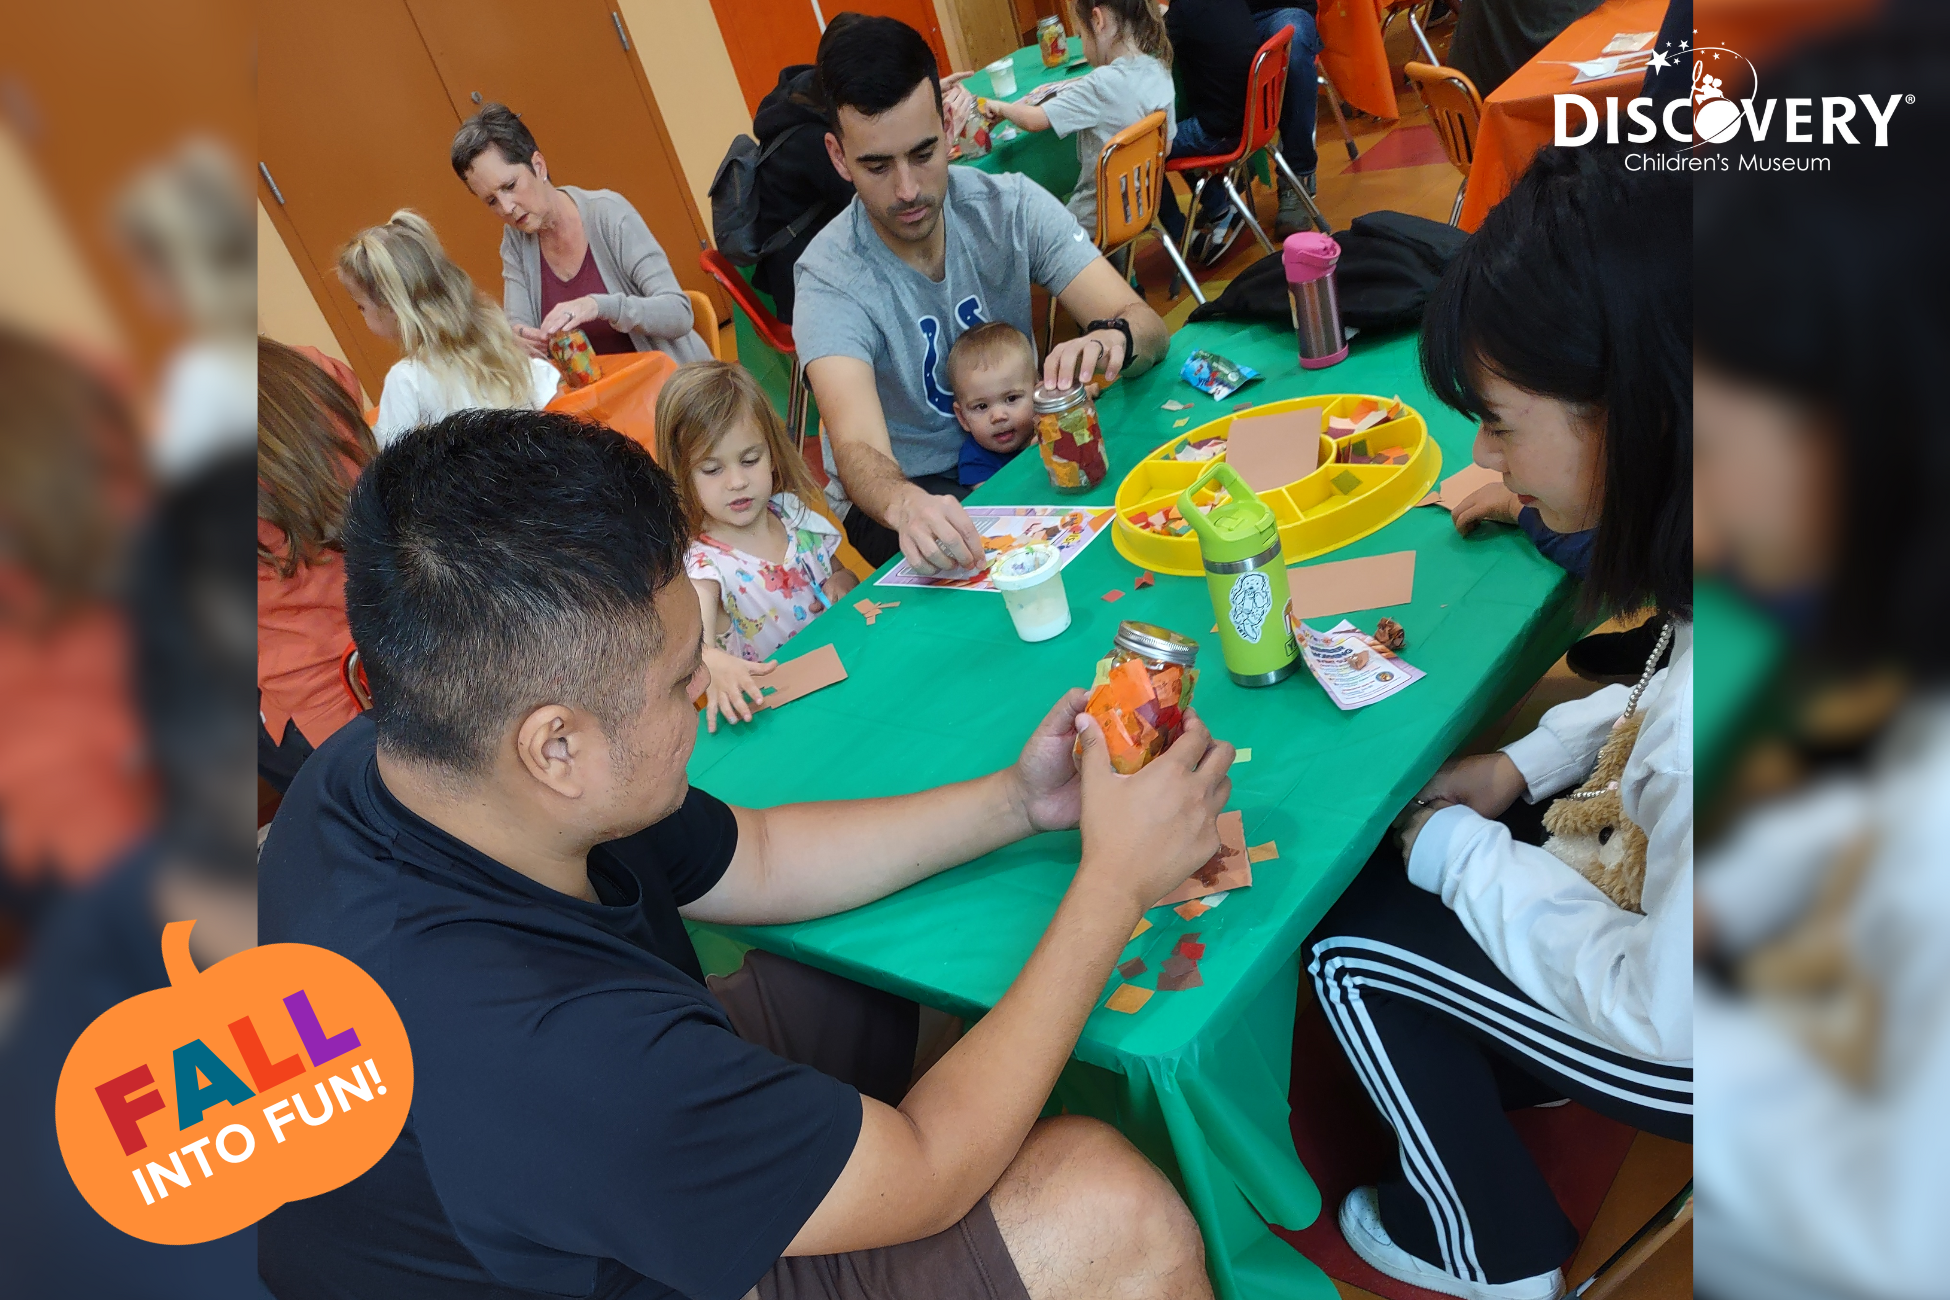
(1467, 971)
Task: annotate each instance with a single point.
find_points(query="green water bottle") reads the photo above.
(1240, 543)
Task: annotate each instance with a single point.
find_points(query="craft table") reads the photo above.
(1519, 117)
(941, 690)
(1042, 156)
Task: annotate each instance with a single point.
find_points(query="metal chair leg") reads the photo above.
(1340, 118)
(1421, 37)
(1245, 211)
(1191, 224)
(1171, 250)
(1306, 199)
(795, 405)
(1455, 213)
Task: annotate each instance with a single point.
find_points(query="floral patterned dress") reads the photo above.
(768, 603)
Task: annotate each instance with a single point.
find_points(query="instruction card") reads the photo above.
(1353, 669)
(1004, 528)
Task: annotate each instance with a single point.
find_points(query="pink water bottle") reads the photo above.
(1310, 260)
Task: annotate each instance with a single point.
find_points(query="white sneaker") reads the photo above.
(1361, 1226)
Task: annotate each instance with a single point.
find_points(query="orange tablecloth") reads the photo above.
(625, 398)
(1352, 55)
(1519, 117)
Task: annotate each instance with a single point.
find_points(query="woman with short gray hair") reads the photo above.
(571, 258)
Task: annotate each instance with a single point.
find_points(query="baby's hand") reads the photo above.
(733, 681)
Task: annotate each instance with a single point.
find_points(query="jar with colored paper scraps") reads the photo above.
(1052, 41)
(575, 359)
(1146, 688)
(1071, 439)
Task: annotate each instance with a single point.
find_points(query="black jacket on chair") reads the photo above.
(798, 177)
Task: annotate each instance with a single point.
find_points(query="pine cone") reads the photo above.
(1390, 636)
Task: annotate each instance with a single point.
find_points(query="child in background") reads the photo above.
(311, 444)
(1125, 42)
(460, 351)
(762, 560)
(992, 373)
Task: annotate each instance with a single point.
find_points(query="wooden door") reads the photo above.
(764, 36)
(565, 69)
(354, 122)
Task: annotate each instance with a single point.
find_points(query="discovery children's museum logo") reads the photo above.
(190, 1112)
(1719, 119)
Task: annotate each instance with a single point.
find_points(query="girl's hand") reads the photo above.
(1489, 783)
(567, 316)
(1492, 501)
(842, 581)
(733, 681)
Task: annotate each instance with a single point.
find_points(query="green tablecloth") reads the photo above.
(1040, 155)
(941, 690)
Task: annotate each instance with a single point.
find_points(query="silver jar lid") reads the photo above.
(1149, 641)
(1048, 401)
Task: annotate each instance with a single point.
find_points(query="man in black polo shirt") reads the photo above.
(506, 843)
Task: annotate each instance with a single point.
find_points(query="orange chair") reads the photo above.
(777, 335)
(1455, 111)
(1130, 181)
(704, 319)
(1265, 95)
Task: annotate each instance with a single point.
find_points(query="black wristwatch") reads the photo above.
(1123, 327)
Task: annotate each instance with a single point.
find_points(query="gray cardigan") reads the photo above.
(645, 301)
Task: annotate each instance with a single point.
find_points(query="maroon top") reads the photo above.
(603, 336)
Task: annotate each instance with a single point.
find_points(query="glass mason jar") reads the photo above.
(1052, 41)
(1147, 688)
(1071, 440)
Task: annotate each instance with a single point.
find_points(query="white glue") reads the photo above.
(1030, 579)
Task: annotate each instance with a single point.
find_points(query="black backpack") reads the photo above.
(734, 202)
(1390, 264)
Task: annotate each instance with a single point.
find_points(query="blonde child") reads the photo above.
(460, 351)
(762, 560)
(1125, 42)
(992, 373)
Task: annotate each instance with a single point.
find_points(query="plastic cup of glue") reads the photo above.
(1002, 77)
(1030, 579)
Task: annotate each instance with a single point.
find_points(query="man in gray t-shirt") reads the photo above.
(923, 253)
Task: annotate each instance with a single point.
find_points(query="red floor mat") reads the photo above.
(1344, 1145)
(1405, 146)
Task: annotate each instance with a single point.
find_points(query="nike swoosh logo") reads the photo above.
(1078, 236)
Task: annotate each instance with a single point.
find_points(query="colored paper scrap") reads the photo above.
(1128, 998)
(800, 677)
(1175, 405)
(1270, 451)
(1457, 487)
(1142, 926)
(1345, 482)
(1114, 594)
(1432, 499)
(1133, 968)
(1242, 756)
(1180, 973)
(1228, 868)
(1189, 946)
(1340, 586)
(1191, 910)
(1145, 579)
(1263, 852)
(866, 606)
(1181, 422)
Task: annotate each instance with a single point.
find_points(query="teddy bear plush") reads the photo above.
(1593, 834)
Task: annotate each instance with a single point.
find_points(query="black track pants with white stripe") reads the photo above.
(1445, 1044)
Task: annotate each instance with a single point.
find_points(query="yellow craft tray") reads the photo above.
(1334, 505)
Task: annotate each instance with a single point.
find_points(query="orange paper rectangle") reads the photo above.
(802, 676)
(1128, 998)
(1270, 451)
(1460, 484)
(1342, 586)
(1263, 852)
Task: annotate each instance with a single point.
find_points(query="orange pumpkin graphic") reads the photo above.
(190, 1112)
